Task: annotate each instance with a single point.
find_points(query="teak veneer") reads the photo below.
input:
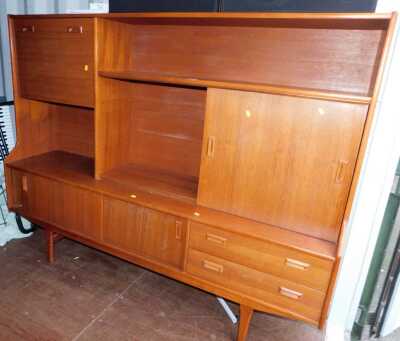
(219, 149)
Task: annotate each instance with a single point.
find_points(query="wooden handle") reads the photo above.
(24, 183)
(215, 239)
(178, 229)
(340, 171)
(210, 146)
(293, 263)
(290, 293)
(28, 28)
(213, 266)
(75, 29)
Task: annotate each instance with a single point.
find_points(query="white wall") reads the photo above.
(73, 5)
(40, 6)
(376, 178)
(56, 6)
(6, 7)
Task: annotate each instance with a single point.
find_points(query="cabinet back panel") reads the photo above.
(162, 127)
(316, 58)
(73, 129)
(43, 127)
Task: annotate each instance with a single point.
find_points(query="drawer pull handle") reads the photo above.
(75, 29)
(24, 183)
(213, 266)
(215, 239)
(178, 229)
(28, 29)
(293, 263)
(290, 293)
(210, 146)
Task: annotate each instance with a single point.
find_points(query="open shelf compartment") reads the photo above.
(264, 56)
(149, 136)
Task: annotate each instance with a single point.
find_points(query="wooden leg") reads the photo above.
(50, 246)
(246, 314)
(52, 238)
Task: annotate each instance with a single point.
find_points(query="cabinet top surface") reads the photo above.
(225, 15)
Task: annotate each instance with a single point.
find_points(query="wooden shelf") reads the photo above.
(77, 170)
(155, 182)
(149, 77)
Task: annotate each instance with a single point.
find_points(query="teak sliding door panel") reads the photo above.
(55, 60)
(77, 211)
(37, 197)
(164, 237)
(122, 225)
(69, 208)
(280, 160)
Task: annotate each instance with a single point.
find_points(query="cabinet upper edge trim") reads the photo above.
(227, 15)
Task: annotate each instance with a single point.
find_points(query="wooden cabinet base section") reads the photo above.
(246, 313)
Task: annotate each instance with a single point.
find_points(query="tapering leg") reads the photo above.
(50, 246)
(246, 314)
(52, 238)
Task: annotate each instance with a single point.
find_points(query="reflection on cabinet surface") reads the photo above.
(221, 150)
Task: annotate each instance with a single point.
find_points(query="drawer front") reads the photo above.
(55, 60)
(280, 293)
(262, 256)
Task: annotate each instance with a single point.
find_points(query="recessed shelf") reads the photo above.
(154, 182)
(74, 168)
(150, 77)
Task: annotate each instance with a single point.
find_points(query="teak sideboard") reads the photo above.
(218, 149)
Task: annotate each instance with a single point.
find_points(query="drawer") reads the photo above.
(279, 261)
(286, 295)
(55, 60)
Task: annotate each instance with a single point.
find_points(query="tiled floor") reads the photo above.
(88, 295)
